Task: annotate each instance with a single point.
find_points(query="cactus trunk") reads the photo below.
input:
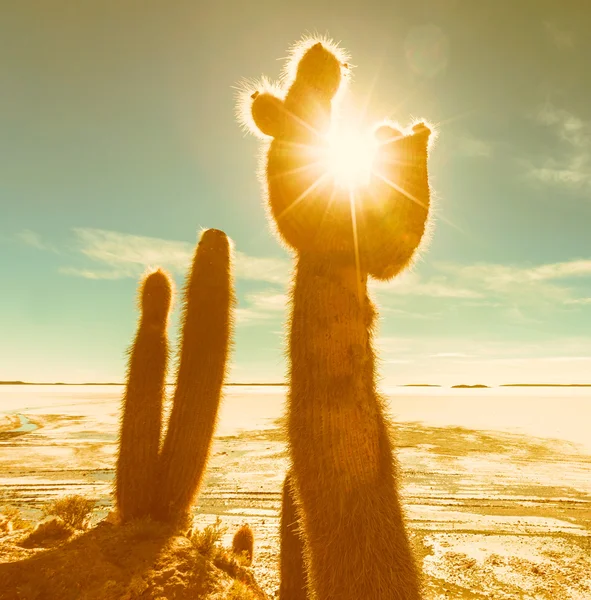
(344, 469)
(139, 438)
(206, 334)
(292, 564)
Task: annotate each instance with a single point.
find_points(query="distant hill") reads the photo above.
(463, 386)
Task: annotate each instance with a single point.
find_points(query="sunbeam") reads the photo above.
(303, 195)
(358, 281)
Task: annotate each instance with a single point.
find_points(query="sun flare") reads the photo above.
(349, 157)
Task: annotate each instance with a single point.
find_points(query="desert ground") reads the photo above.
(496, 482)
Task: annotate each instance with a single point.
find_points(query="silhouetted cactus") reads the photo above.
(243, 542)
(344, 471)
(139, 438)
(292, 568)
(206, 331)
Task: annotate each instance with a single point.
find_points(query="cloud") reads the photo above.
(98, 273)
(561, 38)
(271, 270)
(408, 314)
(570, 165)
(551, 172)
(262, 306)
(517, 286)
(499, 276)
(523, 294)
(30, 238)
(471, 146)
(570, 128)
(33, 239)
(466, 349)
(574, 268)
(580, 301)
(411, 283)
(123, 255)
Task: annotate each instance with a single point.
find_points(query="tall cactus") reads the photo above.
(292, 569)
(346, 477)
(139, 437)
(206, 332)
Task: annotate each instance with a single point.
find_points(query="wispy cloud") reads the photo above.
(411, 283)
(518, 287)
(473, 147)
(465, 349)
(271, 270)
(570, 164)
(108, 274)
(121, 255)
(523, 293)
(497, 276)
(262, 306)
(580, 301)
(561, 38)
(33, 239)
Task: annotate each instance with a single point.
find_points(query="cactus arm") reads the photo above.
(206, 332)
(396, 210)
(139, 437)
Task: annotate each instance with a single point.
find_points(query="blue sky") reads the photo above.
(119, 144)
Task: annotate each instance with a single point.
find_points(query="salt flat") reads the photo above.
(497, 482)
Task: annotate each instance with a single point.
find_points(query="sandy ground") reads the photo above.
(495, 512)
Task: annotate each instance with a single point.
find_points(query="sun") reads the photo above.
(349, 156)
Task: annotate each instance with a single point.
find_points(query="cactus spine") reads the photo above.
(345, 475)
(206, 331)
(292, 568)
(139, 438)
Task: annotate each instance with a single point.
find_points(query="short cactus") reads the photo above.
(139, 438)
(206, 332)
(292, 568)
(243, 543)
(162, 482)
(344, 471)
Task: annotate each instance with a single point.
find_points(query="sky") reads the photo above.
(119, 143)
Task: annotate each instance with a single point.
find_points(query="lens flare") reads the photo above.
(349, 157)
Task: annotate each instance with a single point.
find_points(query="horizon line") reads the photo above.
(283, 384)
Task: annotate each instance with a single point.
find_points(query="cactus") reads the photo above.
(243, 542)
(139, 438)
(345, 474)
(206, 332)
(162, 484)
(292, 569)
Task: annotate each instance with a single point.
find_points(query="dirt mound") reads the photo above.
(109, 562)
